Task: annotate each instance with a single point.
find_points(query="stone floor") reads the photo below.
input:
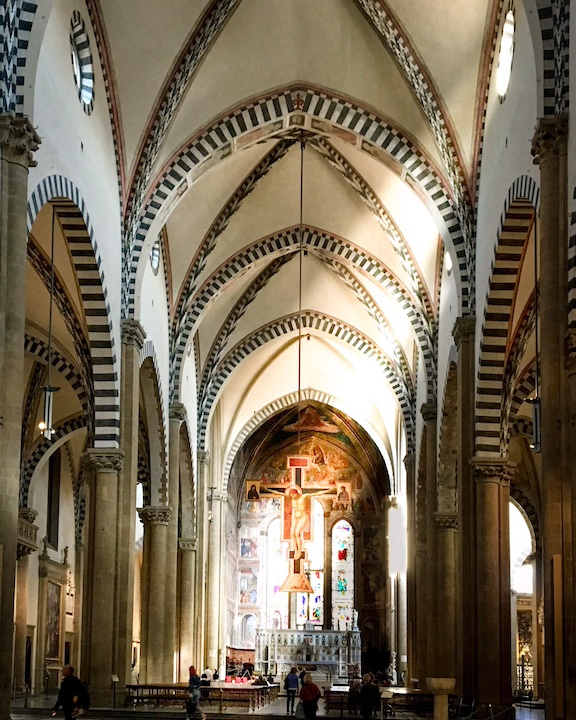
(40, 707)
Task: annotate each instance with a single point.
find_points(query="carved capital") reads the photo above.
(187, 544)
(177, 412)
(98, 461)
(203, 456)
(429, 412)
(27, 514)
(132, 333)
(18, 140)
(464, 329)
(570, 350)
(410, 462)
(446, 521)
(492, 470)
(155, 515)
(551, 138)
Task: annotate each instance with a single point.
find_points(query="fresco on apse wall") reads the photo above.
(372, 546)
(248, 587)
(248, 548)
(372, 585)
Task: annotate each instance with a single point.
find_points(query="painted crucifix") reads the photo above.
(296, 520)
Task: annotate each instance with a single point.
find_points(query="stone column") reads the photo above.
(203, 529)
(18, 141)
(492, 477)
(549, 146)
(187, 638)
(133, 337)
(214, 570)
(441, 687)
(447, 580)
(411, 588)
(177, 417)
(156, 521)
(27, 533)
(429, 414)
(105, 466)
(463, 333)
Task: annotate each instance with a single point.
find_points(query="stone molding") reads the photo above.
(155, 515)
(203, 456)
(550, 138)
(446, 520)
(106, 460)
(177, 412)
(429, 412)
(18, 140)
(187, 544)
(27, 514)
(464, 329)
(492, 470)
(217, 496)
(132, 333)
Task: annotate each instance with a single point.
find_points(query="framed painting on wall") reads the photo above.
(53, 622)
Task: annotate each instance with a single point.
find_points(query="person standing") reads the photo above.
(209, 674)
(291, 687)
(309, 695)
(369, 697)
(72, 696)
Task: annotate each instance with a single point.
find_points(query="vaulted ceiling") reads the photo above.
(221, 109)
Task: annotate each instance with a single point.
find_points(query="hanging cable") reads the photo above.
(300, 259)
(46, 424)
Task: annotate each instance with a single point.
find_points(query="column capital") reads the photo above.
(492, 470)
(103, 460)
(132, 333)
(203, 456)
(218, 496)
(464, 329)
(550, 138)
(410, 461)
(429, 412)
(27, 514)
(446, 520)
(155, 515)
(177, 412)
(18, 140)
(187, 544)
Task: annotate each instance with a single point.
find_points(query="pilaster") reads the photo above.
(411, 588)
(217, 499)
(18, 140)
(187, 645)
(447, 580)
(429, 414)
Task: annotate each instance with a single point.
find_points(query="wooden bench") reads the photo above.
(399, 701)
(221, 694)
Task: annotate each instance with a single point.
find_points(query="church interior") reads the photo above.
(288, 344)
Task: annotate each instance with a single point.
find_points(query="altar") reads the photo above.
(332, 652)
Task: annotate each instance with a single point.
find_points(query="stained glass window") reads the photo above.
(342, 575)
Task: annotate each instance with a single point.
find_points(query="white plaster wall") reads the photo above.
(447, 318)
(506, 154)
(78, 146)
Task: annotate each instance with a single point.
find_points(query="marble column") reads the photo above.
(132, 341)
(411, 589)
(447, 580)
(177, 417)
(155, 520)
(492, 478)
(214, 571)
(550, 147)
(104, 466)
(18, 140)
(187, 636)
(463, 333)
(429, 414)
(25, 547)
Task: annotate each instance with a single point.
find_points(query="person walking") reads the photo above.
(291, 687)
(369, 697)
(309, 695)
(73, 696)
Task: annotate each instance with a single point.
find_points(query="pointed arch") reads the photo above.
(155, 424)
(87, 263)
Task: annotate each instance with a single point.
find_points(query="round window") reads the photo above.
(505, 55)
(82, 66)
